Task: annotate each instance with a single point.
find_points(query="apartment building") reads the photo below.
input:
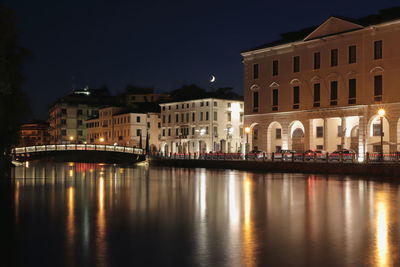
(201, 125)
(324, 90)
(34, 134)
(68, 114)
(126, 127)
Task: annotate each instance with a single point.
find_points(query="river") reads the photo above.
(70, 214)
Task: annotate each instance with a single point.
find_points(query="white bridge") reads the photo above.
(80, 152)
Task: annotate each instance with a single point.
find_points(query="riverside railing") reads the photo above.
(79, 147)
(288, 157)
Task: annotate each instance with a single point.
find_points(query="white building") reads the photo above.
(202, 125)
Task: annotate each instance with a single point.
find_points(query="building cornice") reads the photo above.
(322, 39)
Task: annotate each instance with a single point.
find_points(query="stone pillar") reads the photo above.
(362, 137)
(326, 133)
(285, 135)
(343, 133)
(392, 135)
(311, 134)
(307, 134)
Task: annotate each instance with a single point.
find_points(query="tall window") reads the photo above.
(138, 132)
(317, 60)
(296, 97)
(163, 118)
(255, 71)
(206, 115)
(255, 101)
(334, 57)
(201, 116)
(352, 54)
(215, 116)
(169, 118)
(193, 116)
(296, 64)
(334, 93)
(378, 88)
(176, 118)
(317, 94)
(275, 99)
(278, 133)
(229, 116)
(275, 67)
(378, 49)
(320, 131)
(376, 129)
(352, 91)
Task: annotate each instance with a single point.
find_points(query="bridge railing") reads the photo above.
(70, 147)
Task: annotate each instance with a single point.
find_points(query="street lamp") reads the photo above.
(381, 114)
(101, 139)
(247, 130)
(71, 138)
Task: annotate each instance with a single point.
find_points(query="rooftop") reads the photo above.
(384, 15)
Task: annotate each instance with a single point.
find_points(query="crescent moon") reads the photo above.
(212, 79)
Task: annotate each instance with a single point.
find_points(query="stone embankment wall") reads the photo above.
(373, 169)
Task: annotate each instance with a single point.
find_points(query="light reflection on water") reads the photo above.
(104, 215)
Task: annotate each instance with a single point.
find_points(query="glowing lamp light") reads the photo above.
(381, 112)
(71, 138)
(101, 139)
(247, 129)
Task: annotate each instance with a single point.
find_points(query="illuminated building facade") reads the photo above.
(68, 115)
(324, 90)
(126, 127)
(202, 125)
(34, 134)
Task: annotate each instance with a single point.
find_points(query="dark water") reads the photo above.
(101, 215)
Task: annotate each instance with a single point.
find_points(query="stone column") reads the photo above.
(392, 135)
(285, 135)
(307, 134)
(343, 133)
(326, 133)
(311, 135)
(362, 137)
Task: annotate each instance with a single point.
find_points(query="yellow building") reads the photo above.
(324, 90)
(125, 126)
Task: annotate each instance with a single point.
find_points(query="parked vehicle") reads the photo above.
(285, 154)
(309, 155)
(256, 154)
(343, 154)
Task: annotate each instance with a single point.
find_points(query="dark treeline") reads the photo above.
(14, 103)
(187, 92)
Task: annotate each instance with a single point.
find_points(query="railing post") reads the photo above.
(367, 157)
(263, 156)
(273, 156)
(341, 157)
(292, 156)
(327, 157)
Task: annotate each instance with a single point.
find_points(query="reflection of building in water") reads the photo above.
(382, 253)
(101, 243)
(71, 225)
(249, 242)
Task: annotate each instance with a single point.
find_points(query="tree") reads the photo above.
(187, 92)
(14, 103)
(132, 89)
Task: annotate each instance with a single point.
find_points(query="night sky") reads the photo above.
(162, 44)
